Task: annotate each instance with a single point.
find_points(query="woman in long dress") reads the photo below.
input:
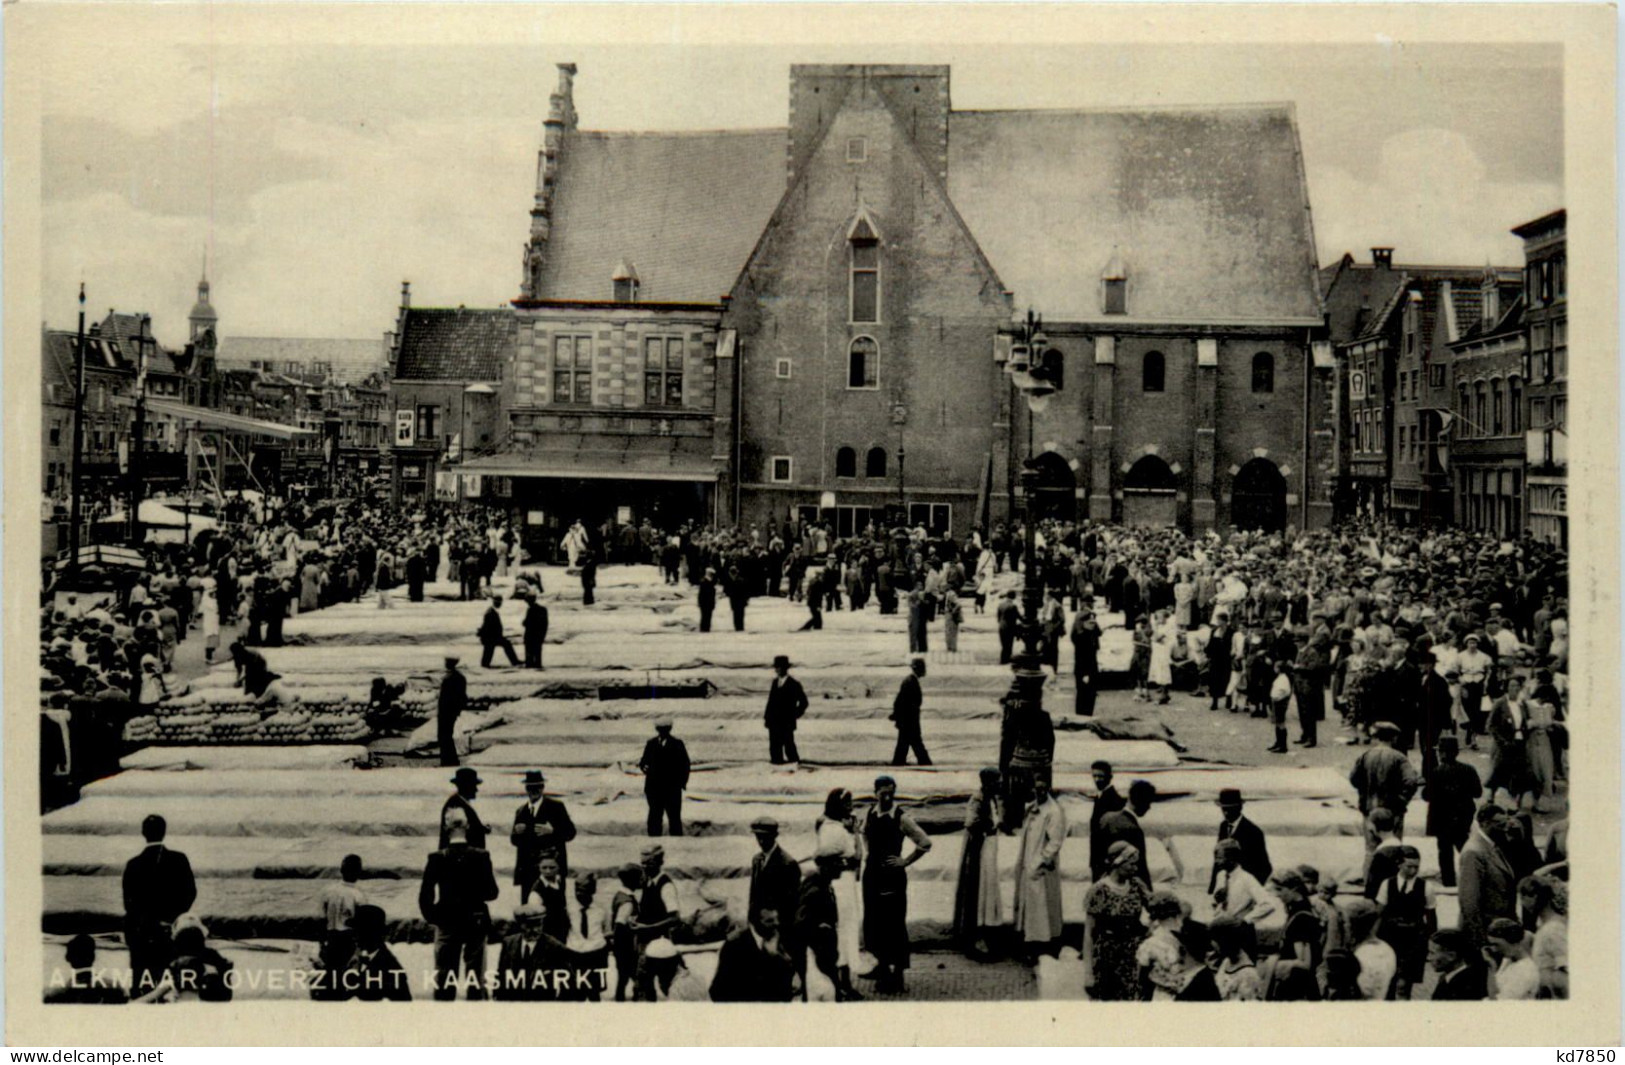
(834, 829)
(977, 906)
(1539, 716)
(1112, 928)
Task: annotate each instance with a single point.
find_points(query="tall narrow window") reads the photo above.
(865, 274)
(1263, 373)
(1498, 413)
(1464, 409)
(1515, 406)
(572, 370)
(1481, 410)
(1152, 371)
(874, 464)
(846, 462)
(663, 371)
(863, 364)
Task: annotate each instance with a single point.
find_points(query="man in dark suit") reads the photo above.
(775, 877)
(374, 973)
(1125, 825)
(552, 895)
(460, 806)
(706, 597)
(1452, 793)
(535, 632)
(1283, 646)
(1107, 801)
(1435, 704)
(158, 887)
(526, 962)
(1462, 977)
(1488, 884)
(665, 769)
(457, 884)
(786, 702)
(752, 966)
(1255, 855)
(1085, 661)
(491, 635)
(905, 713)
(1009, 619)
(453, 701)
(540, 826)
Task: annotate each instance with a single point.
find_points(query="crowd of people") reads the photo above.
(1420, 643)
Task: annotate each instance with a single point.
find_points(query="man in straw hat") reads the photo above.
(786, 702)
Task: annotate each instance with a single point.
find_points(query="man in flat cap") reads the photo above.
(665, 767)
(775, 877)
(657, 916)
(1385, 780)
(453, 701)
(527, 959)
(540, 826)
(786, 702)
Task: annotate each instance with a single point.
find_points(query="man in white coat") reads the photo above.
(1038, 872)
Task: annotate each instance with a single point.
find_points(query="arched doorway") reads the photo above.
(1258, 497)
(1149, 494)
(1056, 493)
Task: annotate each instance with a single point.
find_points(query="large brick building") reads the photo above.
(765, 325)
(1546, 329)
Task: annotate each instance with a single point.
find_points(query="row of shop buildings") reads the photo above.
(1455, 388)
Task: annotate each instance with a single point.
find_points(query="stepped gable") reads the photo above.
(685, 208)
(456, 344)
(1208, 208)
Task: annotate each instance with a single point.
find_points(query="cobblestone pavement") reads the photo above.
(941, 976)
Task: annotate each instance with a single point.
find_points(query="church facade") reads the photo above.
(761, 326)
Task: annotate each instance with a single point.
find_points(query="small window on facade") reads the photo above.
(428, 421)
(1114, 295)
(846, 462)
(626, 290)
(863, 364)
(1263, 373)
(857, 149)
(1436, 376)
(781, 368)
(1152, 371)
(874, 464)
(781, 469)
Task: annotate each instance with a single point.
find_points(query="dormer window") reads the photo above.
(626, 283)
(1114, 286)
(857, 149)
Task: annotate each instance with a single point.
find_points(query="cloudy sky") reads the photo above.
(318, 175)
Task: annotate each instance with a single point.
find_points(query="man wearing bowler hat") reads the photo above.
(453, 701)
(1255, 855)
(540, 826)
(460, 806)
(786, 702)
(457, 886)
(665, 768)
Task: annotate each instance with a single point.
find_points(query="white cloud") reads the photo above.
(1432, 199)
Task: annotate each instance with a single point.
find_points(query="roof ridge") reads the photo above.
(1267, 105)
(675, 133)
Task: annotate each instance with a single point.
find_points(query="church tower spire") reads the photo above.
(203, 317)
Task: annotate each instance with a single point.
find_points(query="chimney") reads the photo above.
(406, 295)
(1489, 298)
(1382, 257)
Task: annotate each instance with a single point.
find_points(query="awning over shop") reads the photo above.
(216, 419)
(595, 465)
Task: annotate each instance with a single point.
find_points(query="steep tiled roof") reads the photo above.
(351, 360)
(1207, 207)
(1511, 317)
(685, 209)
(58, 365)
(455, 345)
